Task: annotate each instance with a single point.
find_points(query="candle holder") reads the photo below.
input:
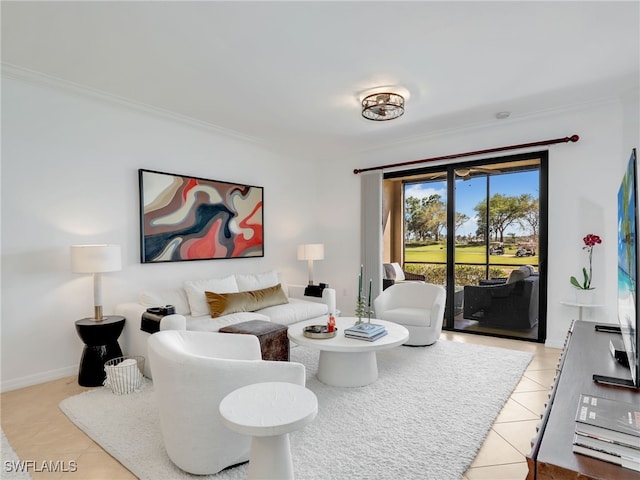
(369, 313)
(361, 309)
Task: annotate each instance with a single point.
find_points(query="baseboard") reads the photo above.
(554, 344)
(29, 380)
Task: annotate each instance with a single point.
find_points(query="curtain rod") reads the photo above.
(573, 138)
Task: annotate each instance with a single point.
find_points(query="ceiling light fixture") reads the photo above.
(382, 106)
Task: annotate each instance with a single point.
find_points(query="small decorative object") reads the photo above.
(369, 312)
(318, 332)
(124, 374)
(366, 331)
(331, 325)
(584, 297)
(589, 242)
(360, 306)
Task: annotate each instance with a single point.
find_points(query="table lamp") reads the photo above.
(311, 252)
(96, 259)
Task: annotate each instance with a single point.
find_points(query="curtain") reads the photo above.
(371, 241)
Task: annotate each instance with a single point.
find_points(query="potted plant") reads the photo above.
(584, 287)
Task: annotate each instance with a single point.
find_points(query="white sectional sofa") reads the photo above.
(192, 309)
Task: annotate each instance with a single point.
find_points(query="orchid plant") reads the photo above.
(590, 241)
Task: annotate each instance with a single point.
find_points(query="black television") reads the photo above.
(627, 301)
(628, 266)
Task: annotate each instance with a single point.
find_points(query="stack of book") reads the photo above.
(366, 331)
(608, 430)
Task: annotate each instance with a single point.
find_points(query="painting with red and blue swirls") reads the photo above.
(190, 218)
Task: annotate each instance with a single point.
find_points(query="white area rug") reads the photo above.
(425, 418)
(12, 467)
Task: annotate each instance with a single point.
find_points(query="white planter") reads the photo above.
(585, 297)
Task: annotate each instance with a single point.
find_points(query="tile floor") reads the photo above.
(39, 431)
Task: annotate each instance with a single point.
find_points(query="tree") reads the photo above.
(503, 212)
(461, 219)
(434, 216)
(530, 218)
(411, 217)
(425, 218)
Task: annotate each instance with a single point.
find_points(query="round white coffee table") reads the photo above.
(268, 412)
(348, 362)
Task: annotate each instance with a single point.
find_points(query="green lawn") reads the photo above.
(474, 255)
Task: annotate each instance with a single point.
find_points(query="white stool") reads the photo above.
(268, 412)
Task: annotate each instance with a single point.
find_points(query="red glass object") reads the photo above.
(331, 325)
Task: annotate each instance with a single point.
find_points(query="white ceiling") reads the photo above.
(294, 72)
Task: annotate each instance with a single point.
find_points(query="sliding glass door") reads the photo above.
(496, 245)
(479, 229)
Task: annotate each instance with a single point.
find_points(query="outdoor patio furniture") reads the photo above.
(393, 273)
(511, 303)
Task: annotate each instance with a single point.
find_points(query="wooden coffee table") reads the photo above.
(348, 362)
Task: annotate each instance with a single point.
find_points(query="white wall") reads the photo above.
(584, 180)
(70, 176)
(631, 121)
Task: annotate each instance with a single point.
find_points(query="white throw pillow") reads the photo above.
(528, 270)
(256, 281)
(516, 276)
(283, 284)
(195, 292)
(399, 272)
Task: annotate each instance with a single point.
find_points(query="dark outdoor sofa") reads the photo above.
(509, 303)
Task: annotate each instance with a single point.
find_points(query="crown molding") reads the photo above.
(25, 74)
(489, 124)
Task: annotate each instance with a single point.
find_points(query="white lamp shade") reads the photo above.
(95, 258)
(311, 251)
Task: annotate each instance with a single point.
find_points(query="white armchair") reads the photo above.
(192, 373)
(419, 307)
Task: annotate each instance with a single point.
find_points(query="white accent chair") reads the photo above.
(192, 373)
(419, 307)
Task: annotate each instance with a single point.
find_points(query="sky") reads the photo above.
(470, 192)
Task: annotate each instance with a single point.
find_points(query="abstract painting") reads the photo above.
(189, 218)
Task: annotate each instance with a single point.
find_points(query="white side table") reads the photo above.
(268, 412)
(580, 306)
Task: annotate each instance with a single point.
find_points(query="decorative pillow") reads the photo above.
(528, 270)
(516, 275)
(195, 292)
(389, 271)
(250, 301)
(399, 273)
(256, 281)
(283, 284)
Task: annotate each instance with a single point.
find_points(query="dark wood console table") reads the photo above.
(585, 353)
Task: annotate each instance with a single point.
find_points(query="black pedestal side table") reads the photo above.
(101, 344)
